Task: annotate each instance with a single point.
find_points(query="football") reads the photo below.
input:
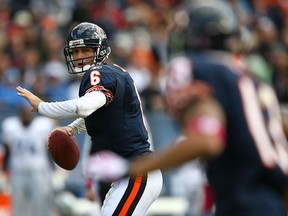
(63, 149)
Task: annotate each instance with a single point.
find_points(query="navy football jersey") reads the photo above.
(249, 175)
(119, 125)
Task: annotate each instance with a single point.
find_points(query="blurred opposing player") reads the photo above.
(25, 138)
(229, 118)
(110, 110)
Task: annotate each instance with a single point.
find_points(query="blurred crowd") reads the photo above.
(33, 34)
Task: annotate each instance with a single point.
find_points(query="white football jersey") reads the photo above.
(28, 145)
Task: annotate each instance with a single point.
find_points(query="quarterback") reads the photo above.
(109, 109)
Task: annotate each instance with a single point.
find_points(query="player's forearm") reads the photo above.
(58, 110)
(81, 107)
(164, 160)
(180, 153)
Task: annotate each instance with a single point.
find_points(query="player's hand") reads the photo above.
(68, 129)
(105, 166)
(30, 97)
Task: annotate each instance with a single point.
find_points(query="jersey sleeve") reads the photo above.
(7, 128)
(79, 107)
(99, 79)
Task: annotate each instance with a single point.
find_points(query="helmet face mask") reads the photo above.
(86, 35)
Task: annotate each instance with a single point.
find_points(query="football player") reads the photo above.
(109, 109)
(230, 119)
(24, 137)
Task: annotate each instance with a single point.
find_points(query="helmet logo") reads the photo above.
(100, 32)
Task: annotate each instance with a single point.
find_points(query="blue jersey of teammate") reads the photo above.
(248, 178)
(119, 125)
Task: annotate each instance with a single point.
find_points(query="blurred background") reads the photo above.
(32, 38)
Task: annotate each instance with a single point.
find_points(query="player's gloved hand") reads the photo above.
(105, 166)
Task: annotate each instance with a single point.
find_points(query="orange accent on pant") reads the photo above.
(132, 196)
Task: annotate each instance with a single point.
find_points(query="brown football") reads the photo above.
(64, 149)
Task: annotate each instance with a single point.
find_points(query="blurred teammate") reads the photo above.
(109, 109)
(229, 118)
(25, 138)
